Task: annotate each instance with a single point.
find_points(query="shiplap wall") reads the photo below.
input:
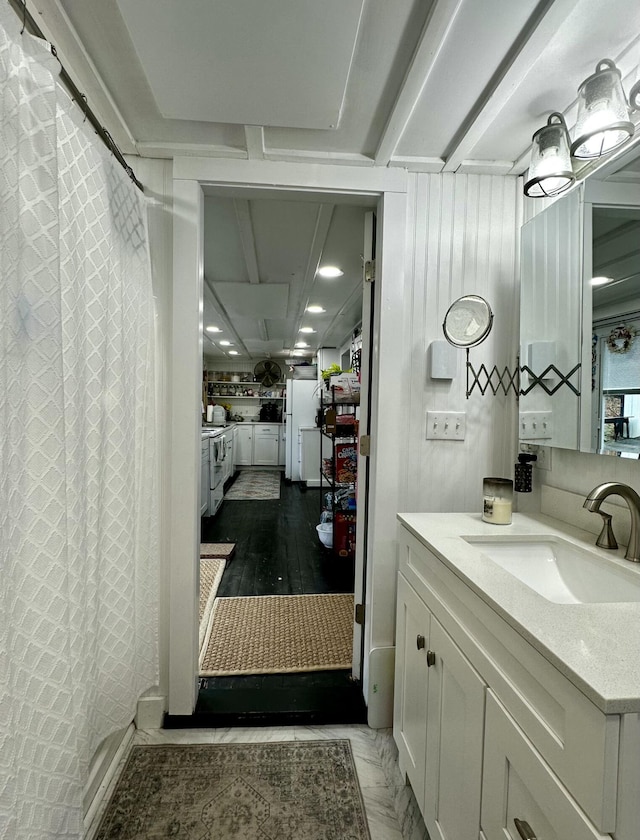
(462, 237)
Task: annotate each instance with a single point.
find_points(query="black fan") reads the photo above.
(267, 372)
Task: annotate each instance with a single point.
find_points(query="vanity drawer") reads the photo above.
(576, 740)
(519, 785)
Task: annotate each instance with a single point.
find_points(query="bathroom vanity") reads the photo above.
(517, 698)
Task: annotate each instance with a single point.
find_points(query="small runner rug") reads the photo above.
(210, 576)
(224, 550)
(293, 790)
(278, 634)
(255, 485)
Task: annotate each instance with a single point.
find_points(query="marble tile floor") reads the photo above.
(390, 806)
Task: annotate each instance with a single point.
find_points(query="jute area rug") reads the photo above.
(211, 571)
(255, 485)
(278, 634)
(307, 790)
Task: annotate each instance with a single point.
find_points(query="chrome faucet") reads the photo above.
(606, 538)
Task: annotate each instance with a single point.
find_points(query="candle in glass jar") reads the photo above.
(497, 500)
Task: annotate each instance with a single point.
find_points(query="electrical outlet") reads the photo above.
(542, 453)
(535, 425)
(543, 461)
(446, 425)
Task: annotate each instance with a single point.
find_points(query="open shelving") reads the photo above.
(338, 471)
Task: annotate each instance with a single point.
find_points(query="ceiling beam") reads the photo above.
(214, 301)
(534, 37)
(424, 59)
(247, 239)
(320, 233)
(254, 139)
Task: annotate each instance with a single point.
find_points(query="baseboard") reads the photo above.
(150, 712)
(102, 770)
(380, 699)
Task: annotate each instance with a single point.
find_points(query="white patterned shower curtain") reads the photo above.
(78, 554)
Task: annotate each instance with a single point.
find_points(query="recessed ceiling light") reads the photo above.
(601, 281)
(315, 309)
(330, 271)
(225, 343)
(307, 330)
(301, 344)
(233, 353)
(213, 329)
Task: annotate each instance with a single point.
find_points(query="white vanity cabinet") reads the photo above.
(438, 720)
(488, 730)
(519, 785)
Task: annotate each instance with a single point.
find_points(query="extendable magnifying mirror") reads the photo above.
(468, 321)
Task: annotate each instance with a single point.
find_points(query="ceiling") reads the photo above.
(427, 85)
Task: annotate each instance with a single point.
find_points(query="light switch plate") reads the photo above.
(446, 425)
(535, 425)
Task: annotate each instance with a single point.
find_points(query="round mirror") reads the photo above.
(468, 321)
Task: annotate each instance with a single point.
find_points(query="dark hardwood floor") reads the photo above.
(277, 553)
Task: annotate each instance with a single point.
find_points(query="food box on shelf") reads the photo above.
(344, 534)
(346, 463)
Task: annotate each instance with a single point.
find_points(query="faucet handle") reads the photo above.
(607, 538)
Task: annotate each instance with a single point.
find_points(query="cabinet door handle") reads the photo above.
(524, 829)
(431, 658)
(420, 642)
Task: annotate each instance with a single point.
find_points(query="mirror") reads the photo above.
(615, 331)
(580, 336)
(468, 321)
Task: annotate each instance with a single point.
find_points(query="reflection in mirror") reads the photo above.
(615, 331)
(550, 323)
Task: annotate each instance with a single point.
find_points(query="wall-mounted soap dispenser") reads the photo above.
(524, 473)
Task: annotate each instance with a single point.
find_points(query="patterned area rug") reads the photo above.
(299, 789)
(255, 485)
(278, 634)
(210, 576)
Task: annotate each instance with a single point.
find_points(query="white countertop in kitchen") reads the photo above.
(596, 646)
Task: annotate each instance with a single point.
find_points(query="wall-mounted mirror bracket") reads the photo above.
(538, 379)
(493, 380)
(506, 381)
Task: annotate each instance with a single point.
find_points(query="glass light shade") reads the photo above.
(603, 121)
(550, 171)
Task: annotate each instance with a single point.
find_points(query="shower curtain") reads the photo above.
(78, 553)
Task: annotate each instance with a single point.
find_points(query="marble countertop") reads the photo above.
(596, 646)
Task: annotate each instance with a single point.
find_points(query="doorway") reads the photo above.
(191, 176)
(252, 240)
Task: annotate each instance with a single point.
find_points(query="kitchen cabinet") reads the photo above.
(204, 477)
(266, 443)
(282, 446)
(438, 721)
(488, 730)
(244, 446)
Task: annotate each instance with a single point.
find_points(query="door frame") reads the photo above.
(182, 528)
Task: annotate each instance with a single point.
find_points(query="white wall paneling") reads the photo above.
(461, 239)
(184, 462)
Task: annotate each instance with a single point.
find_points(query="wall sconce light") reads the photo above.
(550, 171)
(603, 121)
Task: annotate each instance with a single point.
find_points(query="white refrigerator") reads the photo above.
(301, 410)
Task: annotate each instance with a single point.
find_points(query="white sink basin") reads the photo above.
(561, 571)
